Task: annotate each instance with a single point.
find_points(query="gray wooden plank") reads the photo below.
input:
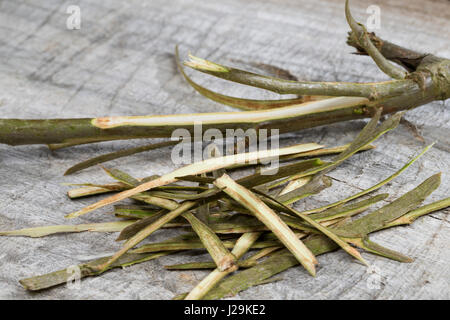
(121, 63)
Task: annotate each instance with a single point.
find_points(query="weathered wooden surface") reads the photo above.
(121, 63)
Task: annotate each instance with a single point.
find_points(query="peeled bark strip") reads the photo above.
(86, 191)
(377, 219)
(91, 189)
(38, 232)
(270, 219)
(325, 152)
(198, 168)
(357, 231)
(144, 233)
(414, 214)
(116, 155)
(275, 264)
(329, 233)
(243, 104)
(318, 182)
(348, 210)
(313, 186)
(263, 253)
(281, 86)
(86, 270)
(137, 226)
(135, 211)
(372, 188)
(207, 265)
(367, 135)
(191, 244)
(218, 252)
(370, 246)
(283, 260)
(294, 185)
(242, 245)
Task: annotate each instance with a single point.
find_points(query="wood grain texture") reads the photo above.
(121, 62)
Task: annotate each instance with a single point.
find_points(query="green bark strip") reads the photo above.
(367, 135)
(206, 265)
(90, 190)
(370, 246)
(203, 210)
(373, 188)
(324, 152)
(280, 172)
(38, 232)
(248, 222)
(144, 233)
(198, 244)
(135, 211)
(252, 180)
(157, 201)
(329, 233)
(86, 270)
(292, 185)
(414, 214)
(275, 264)
(377, 219)
(348, 210)
(116, 155)
(316, 185)
(357, 231)
(204, 166)
(281, 86)
(133, 229)
(243, 104)
(146, 197)
(122, 176)
(261, 254)
(257, 283)
(243, 244)
(238, 224)
(319, 244)
(270, 219)
(159, 198)
(224, 259)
